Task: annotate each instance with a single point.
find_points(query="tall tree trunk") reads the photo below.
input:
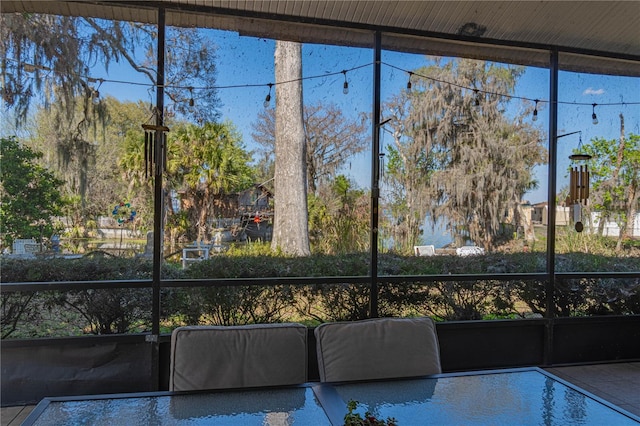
(290, 227)
(202, 217)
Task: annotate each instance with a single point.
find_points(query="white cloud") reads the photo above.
(592, 91)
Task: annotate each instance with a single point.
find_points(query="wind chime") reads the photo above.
(579, 186)
(154, 138)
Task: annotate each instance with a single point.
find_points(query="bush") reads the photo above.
(94, 311)
(103, 311)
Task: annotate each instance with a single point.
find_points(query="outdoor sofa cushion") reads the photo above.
(219, 357)
(377, 348)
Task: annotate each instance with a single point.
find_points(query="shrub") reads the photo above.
(121, 310)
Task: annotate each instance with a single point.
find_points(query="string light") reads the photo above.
(535, 111)
(95, 93)
(31, 68)
(267, 100)
(504, 95)
(345, 86)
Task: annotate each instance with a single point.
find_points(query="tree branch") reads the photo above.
(118, 47)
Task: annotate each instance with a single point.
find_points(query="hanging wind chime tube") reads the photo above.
(579, 193)
(579, 185)
(154, 137)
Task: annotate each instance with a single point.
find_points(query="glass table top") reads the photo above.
(522, 398)
(509, 397)
(255, 407)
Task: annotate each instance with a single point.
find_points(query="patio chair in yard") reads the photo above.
(377, 348)
(429, 250)
(220, 357)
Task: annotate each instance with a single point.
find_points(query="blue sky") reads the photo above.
(249, 61)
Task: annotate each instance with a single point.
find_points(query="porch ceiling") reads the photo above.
(592, 36)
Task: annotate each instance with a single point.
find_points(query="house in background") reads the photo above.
(239, 216)
(256, 213)
(540, 214)
(611, 228)
(564, 215)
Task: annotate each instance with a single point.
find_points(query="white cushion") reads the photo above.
(218, 357)
(378, 348)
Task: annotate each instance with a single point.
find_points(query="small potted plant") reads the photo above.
(355, 419)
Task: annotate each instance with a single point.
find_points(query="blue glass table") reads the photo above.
(527, 396)
(269, 406)
(501, 397)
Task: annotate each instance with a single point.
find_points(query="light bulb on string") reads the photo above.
(191, 101)
(267, 100)
(476, 103)
(345, 86)
(381, 164)
(95, 93)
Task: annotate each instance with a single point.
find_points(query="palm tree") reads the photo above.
(206, 162)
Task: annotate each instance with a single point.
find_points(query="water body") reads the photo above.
(435, 234)
(432, 234)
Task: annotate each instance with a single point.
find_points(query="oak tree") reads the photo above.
(55, 59)
(457, 154)
(331, 139)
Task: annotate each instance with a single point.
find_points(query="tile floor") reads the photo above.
(617, 383)
(13, 416)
